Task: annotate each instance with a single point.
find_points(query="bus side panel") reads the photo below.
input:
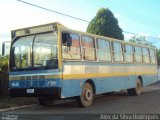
(71, 88)
(109, 84)
(71, 79)
(149, 79)
(107, 77)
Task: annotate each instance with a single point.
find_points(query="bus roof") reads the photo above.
(34, 29)
(56, 25)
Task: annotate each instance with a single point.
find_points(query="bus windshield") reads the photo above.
(34, 52)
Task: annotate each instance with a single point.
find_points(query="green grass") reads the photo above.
(7, 102)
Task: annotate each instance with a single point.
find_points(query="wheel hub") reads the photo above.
(88, 95)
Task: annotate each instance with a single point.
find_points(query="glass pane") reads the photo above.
(45, 51)
(88, 48)
(72, 52)
(103, 50)
(145, 55)
(138, 54)
(87, 42)
(128, 53)
(118, 55)
(152, 56)
(22, 55)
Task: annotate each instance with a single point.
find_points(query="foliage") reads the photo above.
(141, 40)
(4, 63)
(105, 24)
(158, 56)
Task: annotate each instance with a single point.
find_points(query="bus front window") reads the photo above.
(35, 51)
(21, 53)
(45, 51)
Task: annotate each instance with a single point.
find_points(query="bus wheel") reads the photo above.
(46, 101)
(86, 97)
(137, 90)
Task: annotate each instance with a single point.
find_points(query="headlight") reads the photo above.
(51, 83)
(15, 84)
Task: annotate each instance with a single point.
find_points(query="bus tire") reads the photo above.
(137, 90)
(86, 97)
(46, 101)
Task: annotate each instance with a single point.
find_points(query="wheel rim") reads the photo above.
(88, 95)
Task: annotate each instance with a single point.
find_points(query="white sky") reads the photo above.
(16, 15)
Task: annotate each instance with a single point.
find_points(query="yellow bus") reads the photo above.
(53, 62)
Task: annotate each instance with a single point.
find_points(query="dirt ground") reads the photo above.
(7, 102)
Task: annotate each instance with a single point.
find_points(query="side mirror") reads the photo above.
(69, 40)
(66, 39)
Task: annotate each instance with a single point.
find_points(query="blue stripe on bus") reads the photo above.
(25, 72)
(41, 83)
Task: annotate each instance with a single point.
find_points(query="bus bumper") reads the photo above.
(35, 92)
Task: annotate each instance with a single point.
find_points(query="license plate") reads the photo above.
(30, 90)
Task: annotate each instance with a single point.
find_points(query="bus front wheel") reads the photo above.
(86, 97)
(46, 101)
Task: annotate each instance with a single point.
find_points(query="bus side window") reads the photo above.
(66, 39)
(88, 48)
(128, 53)
(138, 54)
(152, 56)
(117, 52)
(145, 55)
(104, 53)
(71, 46)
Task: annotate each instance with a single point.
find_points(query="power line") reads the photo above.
(52, 11)
(132, 15)
(141, 35)
(71, 16)
(134, 12)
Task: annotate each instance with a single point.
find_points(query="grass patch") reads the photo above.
(7, 102)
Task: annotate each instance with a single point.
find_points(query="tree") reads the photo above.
(140, 40)
(105, 24)
(4, 63)
(158, 56)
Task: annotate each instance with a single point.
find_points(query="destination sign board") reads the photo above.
(34, 30)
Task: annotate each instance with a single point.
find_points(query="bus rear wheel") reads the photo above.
(86, 97)
(137, 90)
(46, 101)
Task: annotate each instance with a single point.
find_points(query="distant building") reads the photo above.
(5, 48)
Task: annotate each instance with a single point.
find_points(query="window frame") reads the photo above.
(109, 45)
(132, 54)
(113, 52)
(144, 56)
(95, 48)
(138, 54)
(154, 53)
(80, 49)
